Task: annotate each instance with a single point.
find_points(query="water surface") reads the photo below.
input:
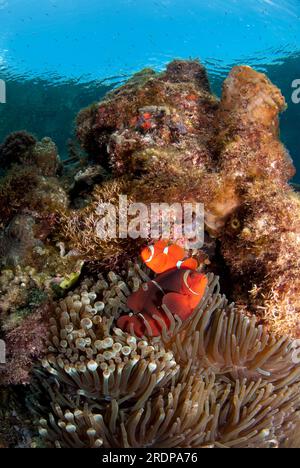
(58, 56)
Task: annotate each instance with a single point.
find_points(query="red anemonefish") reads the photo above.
(176, 291)
(161, 257)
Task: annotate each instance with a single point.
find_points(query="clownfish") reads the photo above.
(161, 257)
(177, 290)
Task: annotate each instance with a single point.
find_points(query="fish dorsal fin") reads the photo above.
(162, 257)
(190, 264)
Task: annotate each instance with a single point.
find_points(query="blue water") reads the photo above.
(57, 56)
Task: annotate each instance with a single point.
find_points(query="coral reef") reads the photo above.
(248, 128)
(25, 344)
(30, 262)
(16, 148)
(16, 240)
(175, 109)
(17, 428)
(22, 189)
(238, 169)
(80, 228)
(265, 249)
(22, 148)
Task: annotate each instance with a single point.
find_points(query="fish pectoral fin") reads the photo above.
(178, 304)
(158, 264)
(146, 298)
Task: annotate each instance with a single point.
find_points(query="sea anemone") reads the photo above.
(101, 361)
(204, 411)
